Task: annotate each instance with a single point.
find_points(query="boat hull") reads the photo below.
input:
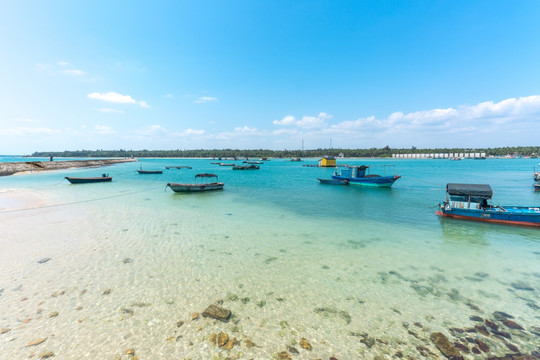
(150, 171)
(80, 180)
(333, 181)
(375, 181)
(195, 187)
(511, 215)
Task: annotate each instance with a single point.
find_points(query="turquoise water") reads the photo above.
(358, 272)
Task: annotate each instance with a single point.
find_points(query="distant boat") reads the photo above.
(470, 202)
(150, 171)
(333, 181)
(356, 175)
(537, 186)
(247, 167)
(536, 175)
(85, 180)
(198, 186)
(252, 162)
(180, 167)
(226, 164)
(296, 159)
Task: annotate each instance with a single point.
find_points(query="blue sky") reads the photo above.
(268, 74)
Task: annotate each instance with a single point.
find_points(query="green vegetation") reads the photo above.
(261, 153)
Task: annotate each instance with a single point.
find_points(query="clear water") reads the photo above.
(291, 259)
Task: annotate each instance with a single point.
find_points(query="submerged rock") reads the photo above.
(445, 346)
(217, 312)
(36, 342)
(522, 286)
(501, 315)
(305, 344)
(512, 324)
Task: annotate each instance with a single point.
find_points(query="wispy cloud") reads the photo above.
(103, 130)
(206, 99)
(74, 72)
(117, 98)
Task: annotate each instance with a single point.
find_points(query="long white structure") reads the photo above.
(440, 156)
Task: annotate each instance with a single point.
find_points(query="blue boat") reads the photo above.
(357, 175)
(470, 202)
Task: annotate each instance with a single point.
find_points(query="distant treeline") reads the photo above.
(261, 153)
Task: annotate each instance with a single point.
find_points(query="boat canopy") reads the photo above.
(473, 192)
(205, 175)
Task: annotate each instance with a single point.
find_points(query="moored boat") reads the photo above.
(247, 167)
(357, 175)
(85, 180)
(198, 186)
(150, 171)
(333, 181)
(536, 186)
(179, 167)
(470, 202)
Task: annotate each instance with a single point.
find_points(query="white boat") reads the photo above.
(198, 186)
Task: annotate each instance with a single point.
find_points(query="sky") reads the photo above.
(166, 75)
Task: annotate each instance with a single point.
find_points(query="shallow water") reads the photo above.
(357, 272)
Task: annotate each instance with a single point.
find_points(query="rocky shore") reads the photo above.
(10, 168)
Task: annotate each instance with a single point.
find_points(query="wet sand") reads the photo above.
(10, 168)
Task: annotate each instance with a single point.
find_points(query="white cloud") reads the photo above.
(152, 130)
(27, 120)
(104, 130)
(169, 96)
(117, 98)
(306, 122)
(63, 63)
(206, 99)
(188, 132)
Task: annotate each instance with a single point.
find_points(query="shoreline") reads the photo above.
(10, 168)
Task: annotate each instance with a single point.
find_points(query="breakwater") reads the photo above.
(10, 168)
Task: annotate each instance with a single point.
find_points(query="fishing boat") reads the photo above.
(246, 167)
(252, 162)
(85, 180)
(470, 202)
(358, 175)
(333, 181)
(203, 185)
(226, 164)
(536, 186)
(150, 171)
(536, 175)
(181, 167)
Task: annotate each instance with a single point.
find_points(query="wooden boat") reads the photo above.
(226, 164)
(247, 167)
(150, 171)
(252, 162)
(333, 181)
(470, 202)
(180, 167)
(85, 180)
(537, 186)
(356, 175)
(198, 186)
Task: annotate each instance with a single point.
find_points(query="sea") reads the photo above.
(125, 270)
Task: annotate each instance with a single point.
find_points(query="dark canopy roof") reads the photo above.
(206, 175)
(474, 190)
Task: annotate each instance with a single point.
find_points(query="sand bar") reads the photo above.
(10, 168)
